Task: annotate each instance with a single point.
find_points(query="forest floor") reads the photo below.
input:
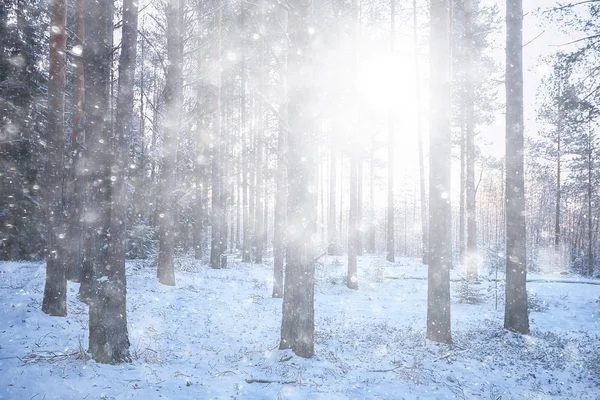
(217, 332)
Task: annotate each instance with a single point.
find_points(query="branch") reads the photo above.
(570, 5)
(269, 381)
(577, 40)
(534, 38)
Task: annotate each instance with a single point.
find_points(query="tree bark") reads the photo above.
(76, 186)
(390, 200)
(245, 146)
(422, 178)
(297, 327)
(55, 290)
(217, 210)
(470, 145)
(438, 291)
(515, 311)
(279, 222)
(332, 246)
(105, 258)
(168, 179)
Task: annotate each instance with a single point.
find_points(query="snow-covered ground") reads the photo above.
(218, 330)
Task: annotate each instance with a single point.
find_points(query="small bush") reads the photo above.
(141, 242)
(536, 303)
(469, 292)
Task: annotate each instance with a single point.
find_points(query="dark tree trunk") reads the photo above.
(105, 257)
(55, 290)
(168, 178)
(76, 185)
(298, 319)
(438, 291)
(515, 311)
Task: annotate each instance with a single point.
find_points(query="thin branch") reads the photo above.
(544, 31)
(577, 40)
(269, 381)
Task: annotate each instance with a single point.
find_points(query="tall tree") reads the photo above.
(76, 180)
(55, 290)
(331, 213)
(390, 191)
(438, 279)
(470, 143)
(108, 338)
(217, 212)
(353, 235)
(298, 314)
(281, 187)
(244, 139)
(515, 311)
(173, 101)
(422, 193)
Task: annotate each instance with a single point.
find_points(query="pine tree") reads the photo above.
(298, 320)
(515, 311)
(438, 293)
(106, 294)
(55, 291)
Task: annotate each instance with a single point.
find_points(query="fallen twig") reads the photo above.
(269, 381)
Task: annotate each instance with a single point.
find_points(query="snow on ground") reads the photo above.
(219, 329)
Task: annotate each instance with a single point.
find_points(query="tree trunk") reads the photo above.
(462, 248)
(590, 188)
(390, 201)
(438, 291)
(423, 194)
(202, 154)
(353, 236)
(352, 275)
(470, 146)
(105, 257)
(245, 146)
(297, 327)
(279, 222)
(515, 311)
(259, 220)
(332, 246)
(359, 209)
(55, 290)
(216, 183)
(371, 241)
(558, 194)
(168, 178)
(76, 187)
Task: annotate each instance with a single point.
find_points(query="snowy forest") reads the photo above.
(299, 199)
